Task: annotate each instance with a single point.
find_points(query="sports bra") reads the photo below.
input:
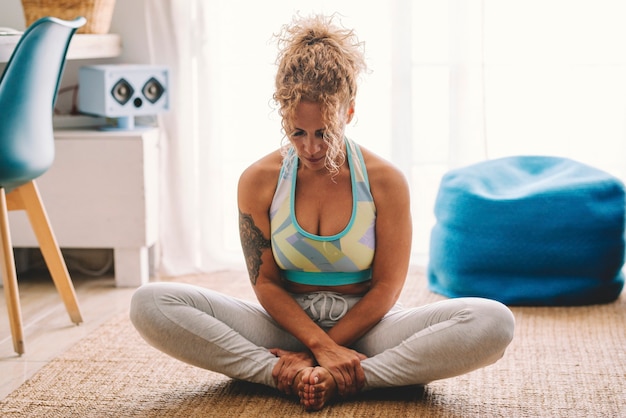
(340, 259)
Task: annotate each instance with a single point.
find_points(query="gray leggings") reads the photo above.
(407, 347)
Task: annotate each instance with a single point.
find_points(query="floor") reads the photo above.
(48, 330)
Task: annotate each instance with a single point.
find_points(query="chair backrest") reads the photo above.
(28, 90)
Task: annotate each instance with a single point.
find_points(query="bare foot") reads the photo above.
(316, 386)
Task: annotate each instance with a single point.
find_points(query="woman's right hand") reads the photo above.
(288, 366)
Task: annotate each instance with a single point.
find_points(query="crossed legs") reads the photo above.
(409, 346)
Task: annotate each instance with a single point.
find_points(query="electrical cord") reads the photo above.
(73, 88)
(75, 264)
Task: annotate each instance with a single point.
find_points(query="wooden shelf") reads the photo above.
(82, 46)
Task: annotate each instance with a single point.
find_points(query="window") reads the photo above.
(451, 83)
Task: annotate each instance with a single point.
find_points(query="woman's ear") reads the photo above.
(350, 113)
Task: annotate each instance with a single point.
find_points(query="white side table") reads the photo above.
(102, 192)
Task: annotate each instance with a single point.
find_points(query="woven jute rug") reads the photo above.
(563, 362)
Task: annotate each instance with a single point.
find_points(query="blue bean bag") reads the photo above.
(529, 230)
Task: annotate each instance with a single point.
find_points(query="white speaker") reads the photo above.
(123, 91)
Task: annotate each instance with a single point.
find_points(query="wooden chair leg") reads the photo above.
(9, 277)
(31, 200)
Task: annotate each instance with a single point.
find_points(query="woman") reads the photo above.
(325, 228)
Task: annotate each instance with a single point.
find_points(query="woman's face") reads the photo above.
(307, 135)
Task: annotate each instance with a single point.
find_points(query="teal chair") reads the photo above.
(28, 90)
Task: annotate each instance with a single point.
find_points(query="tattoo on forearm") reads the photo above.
(253, 243)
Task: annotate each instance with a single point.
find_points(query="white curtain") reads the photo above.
(451, 83)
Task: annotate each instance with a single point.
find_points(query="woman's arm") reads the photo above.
(392, 254)
(255, 192)
(389, 269)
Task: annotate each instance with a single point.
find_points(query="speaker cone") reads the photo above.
(152, 90)
(122, 91)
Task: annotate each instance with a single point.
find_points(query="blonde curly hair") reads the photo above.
(318, 62)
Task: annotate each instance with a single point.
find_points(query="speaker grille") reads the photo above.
(152, 90)
(122, 91)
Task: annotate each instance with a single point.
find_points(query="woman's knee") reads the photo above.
(139, 303)
(498, 322)
(144, 303)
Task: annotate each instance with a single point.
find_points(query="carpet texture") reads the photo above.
(563, 362)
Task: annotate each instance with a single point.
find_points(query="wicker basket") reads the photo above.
(97, 12)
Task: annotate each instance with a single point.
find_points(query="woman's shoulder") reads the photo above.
(384, 177)
(267, 166)
(262, 175)
(380, 169)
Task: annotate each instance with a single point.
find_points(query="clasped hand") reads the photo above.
(344, 365)
(288, 366)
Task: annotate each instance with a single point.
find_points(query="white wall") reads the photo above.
(12, 14)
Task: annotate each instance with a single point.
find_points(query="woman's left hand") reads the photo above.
(288, 366)
(345, 366)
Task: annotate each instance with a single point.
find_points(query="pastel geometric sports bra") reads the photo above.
(340, 259)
